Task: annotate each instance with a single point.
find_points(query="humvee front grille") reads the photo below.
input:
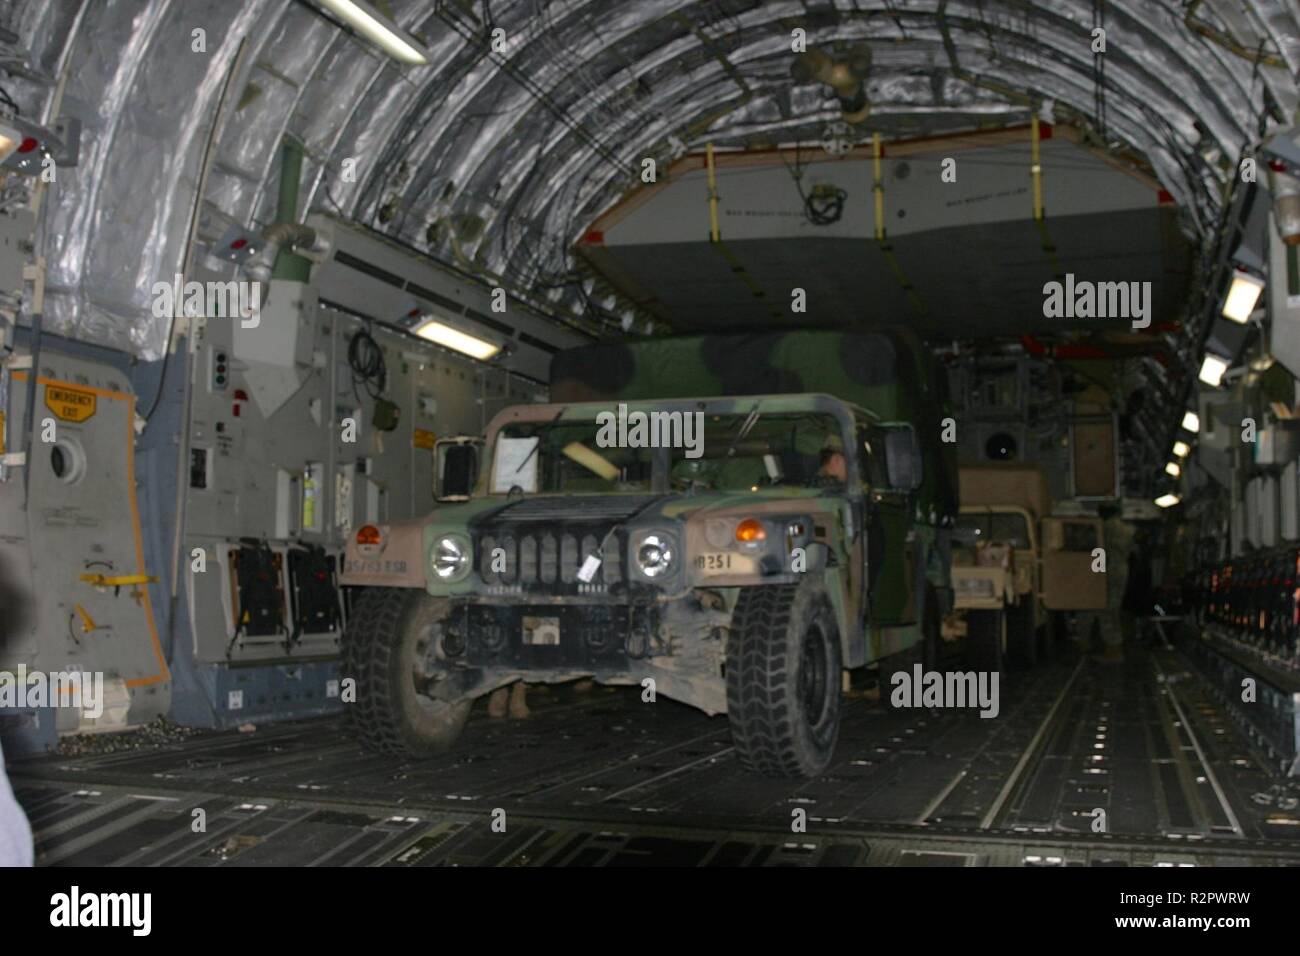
(547, 560)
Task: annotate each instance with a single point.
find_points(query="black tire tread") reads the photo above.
(367, 654)
(371, 642)
(761, 700)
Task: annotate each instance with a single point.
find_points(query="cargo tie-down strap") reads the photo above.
(715, 239)
(1036, 174)
(105, 581)
(878, 191)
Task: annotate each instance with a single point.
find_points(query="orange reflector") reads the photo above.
(368, 534)
(751, 529)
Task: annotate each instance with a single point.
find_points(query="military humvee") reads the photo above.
(731, 520)
(1011, 557)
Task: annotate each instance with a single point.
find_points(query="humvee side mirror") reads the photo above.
(457, 468)
(903, 457)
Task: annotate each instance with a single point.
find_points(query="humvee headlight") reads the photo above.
(655, 555)
(449, 557)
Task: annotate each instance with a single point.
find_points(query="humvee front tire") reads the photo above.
(783, 680)
(387, 648)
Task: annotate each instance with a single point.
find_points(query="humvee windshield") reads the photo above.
(689, 451)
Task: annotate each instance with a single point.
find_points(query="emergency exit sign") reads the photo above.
(69, 404)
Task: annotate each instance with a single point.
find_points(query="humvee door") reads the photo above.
(891, 565)
(1069, 583)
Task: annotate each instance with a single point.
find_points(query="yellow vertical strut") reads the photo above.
(715, 237)
(1036, 166)
(1036, 174)
(878, 188)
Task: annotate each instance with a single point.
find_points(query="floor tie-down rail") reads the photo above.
(1086, 764)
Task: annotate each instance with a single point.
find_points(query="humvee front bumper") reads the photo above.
(586, 637)
(485, 646)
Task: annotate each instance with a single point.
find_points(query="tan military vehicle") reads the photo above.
(1014, 564)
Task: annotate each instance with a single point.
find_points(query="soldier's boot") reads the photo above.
(519, 701)
(1110, 654)
(497, 702)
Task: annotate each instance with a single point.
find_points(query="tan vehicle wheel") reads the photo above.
(391, 648)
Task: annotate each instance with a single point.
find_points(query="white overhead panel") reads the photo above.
(368, 275)
(951, 258)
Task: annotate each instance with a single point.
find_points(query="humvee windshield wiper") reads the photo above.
(745, 428)
(540, 435)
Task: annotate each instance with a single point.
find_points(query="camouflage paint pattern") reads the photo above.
(889, 372)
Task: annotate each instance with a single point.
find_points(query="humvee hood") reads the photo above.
(640, 508)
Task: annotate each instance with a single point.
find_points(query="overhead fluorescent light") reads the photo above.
(1167, 501)
(446, 336)
(1212, 369)
(378, 29)
(1243, 295)
(1182, 449)
(1173, 470)
(1191, 422)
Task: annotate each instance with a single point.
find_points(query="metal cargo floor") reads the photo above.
(603, 779)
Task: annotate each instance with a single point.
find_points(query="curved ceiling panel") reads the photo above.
(499, 160)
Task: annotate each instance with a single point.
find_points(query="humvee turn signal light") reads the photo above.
(751, 529)
(368, 534)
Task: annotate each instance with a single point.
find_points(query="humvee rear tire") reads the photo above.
(387, 650)
(783, 680)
